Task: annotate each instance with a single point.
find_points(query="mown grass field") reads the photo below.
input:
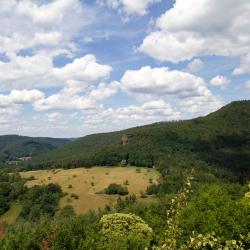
(87, 182)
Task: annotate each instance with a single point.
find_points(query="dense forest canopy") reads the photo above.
(13, 147)
(220, 139)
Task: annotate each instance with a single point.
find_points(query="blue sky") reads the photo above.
(70, 68)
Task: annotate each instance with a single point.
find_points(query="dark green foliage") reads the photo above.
(221, 139)
(152, 189)
(30, 178)
(116, 189)
(4, 205)
(14, 146)
(68, 231)
(143, 195)
(11, 188)
(75, 196)
(172, 178)
(62, 232)
(41, 200)
(53, 188)
(138, 170)
(5, 189)
(216, 208)
(126, 182)
(25, 235)
(66, 212)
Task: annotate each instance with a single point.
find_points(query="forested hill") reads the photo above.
(15, 146)
(220, 139)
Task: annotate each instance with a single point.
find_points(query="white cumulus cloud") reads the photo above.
(63, 100)
(162, 81)
(189, 92)
(104, 91)
(84, 69)
(244, 67)
(25, 96)
(199, 27)
(49, 25)
(47, 13)
(151, 111)
(200, 105)
(38, 71)
(220, 81)
(54, 116)
(76, 98)
(20, 97)
(26, 71)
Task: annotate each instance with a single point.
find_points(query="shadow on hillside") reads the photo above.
(227, 151)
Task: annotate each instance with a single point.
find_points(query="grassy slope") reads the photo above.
(223, 138)
(101, 177)
(11, 215)
(14, 146)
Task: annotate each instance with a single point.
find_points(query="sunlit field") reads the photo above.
(86, 183)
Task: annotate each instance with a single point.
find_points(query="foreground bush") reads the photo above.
(60, 233)
(213, 209)
(211, 217)
(125, 231)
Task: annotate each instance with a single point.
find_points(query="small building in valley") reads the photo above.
(25, 158)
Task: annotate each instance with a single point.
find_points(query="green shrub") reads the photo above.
(41, 200)
(31, 178)
(152, 189)
(116, 189)
(125, 231)
(4, 205)
(75, 196)
(143, 195)
(126, 182)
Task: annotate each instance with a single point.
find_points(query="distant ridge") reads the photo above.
(15, 146)
(221, 138)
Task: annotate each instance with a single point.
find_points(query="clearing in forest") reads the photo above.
(85, 183)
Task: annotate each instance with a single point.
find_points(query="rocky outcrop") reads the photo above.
(126, 138)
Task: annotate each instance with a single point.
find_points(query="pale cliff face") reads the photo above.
(125, 140)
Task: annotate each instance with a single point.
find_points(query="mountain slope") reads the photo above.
(222, 138)
(14, 146)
